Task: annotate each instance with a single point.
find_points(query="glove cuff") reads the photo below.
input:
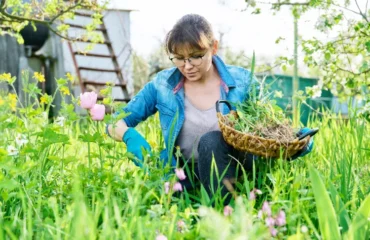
(128, 134)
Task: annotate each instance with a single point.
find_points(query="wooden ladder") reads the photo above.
(85, 83)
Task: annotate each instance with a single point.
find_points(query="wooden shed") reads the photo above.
(56, 57)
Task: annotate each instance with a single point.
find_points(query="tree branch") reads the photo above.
(69, 9)
(362, 14)
(14, 18)
(351, 72)
(285, 3)
(343, 39)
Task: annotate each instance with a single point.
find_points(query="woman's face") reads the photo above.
(194, 64)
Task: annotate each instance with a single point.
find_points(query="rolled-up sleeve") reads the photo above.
(141, 106)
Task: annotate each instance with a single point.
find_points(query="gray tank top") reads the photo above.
(197, 122)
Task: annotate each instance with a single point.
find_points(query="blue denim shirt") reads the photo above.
(165, 94)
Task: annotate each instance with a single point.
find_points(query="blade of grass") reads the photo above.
(359, 228)
(325, 210)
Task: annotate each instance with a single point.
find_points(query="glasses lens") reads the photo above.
(178, 62)
(195, 61)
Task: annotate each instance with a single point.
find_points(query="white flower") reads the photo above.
(44, 115)
(316, 91)
(20, 139)
(278, 94)
(60, 121)
(12, 151)
(304, 229)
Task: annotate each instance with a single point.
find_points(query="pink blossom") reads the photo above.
(177, 187)
(180, 173)
(266, 208)
(166, 187)
(161, 237)
(252, 196)
(97, 112)
(270, 222)
(180, 225)
(88, 99)
(228, 210)
(280, 218)
(259, 215)
(273, 231)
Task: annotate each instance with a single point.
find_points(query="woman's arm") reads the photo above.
(118, 130)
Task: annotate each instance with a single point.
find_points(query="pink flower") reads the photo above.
(280, 218)
(97, 112)
(180, 173)
(177, 187)
(270, 222)
(166, 187)
(259, 215)
(88, 99)
(252, 194)
(228, 210)
(273, 231)
(180, 225)
(161, 237)
(266, 208)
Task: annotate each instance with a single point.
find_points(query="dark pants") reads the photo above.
(227, 165)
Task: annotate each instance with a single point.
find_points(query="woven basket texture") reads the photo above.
(268, 148)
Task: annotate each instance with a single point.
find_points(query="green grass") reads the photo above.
(54, 188)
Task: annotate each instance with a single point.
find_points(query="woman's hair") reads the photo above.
(191, 31)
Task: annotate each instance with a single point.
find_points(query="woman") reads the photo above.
(185, 98)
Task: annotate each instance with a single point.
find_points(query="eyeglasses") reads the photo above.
(194, 60)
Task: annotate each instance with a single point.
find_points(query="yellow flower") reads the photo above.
(107, 101)
(105, 91)
(6, 77)
(70, 77)
(45, 99)
(1, 101)
(39, 77)
(12, 101)
(65, 90)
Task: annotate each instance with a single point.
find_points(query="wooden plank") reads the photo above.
(103, 83)
(84, 27)
(99, 70)
(94, 55)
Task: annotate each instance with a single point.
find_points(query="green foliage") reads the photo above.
(342, 60)
(258, 111)
(15, 15)
(67, 179)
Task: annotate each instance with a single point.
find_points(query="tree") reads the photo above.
(17, 14)
(344, 60)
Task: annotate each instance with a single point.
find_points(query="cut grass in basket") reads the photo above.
(260, 116)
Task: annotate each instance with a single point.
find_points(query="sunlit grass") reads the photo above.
(52, 188)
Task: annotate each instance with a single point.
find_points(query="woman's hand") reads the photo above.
(136, 143)
(117, 131)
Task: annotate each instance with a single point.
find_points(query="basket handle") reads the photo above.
(222, 101)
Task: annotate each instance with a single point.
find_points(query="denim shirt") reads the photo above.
(165, 94)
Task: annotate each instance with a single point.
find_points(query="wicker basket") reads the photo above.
(269, 148)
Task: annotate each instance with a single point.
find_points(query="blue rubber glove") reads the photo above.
(135, 143)
(309, 146)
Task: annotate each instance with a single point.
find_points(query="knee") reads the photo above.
(211, 141)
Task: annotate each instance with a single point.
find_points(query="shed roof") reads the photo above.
(120, 5)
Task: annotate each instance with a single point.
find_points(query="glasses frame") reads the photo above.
(189, 61)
